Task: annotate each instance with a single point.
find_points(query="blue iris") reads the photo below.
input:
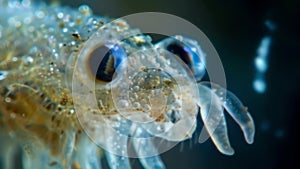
(104, 61)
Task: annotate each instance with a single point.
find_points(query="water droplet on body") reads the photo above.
(3, 75)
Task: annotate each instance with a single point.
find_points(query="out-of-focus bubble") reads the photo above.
(279, 133)
(261, 60)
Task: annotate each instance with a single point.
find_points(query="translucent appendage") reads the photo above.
(144, 146)
(115, 138)
(7, 152)
(238, 112)
(211, 111)
(212, 100)
(117, 162)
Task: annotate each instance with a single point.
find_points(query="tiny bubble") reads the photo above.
(146, 107)
(65, 30)
(60, 15)
(85, 10)
(40, 14)
(12, 115)
(7, 99)
(123, 103)
(136, 105)
(3, 75)
(136, 88)
(29, 59)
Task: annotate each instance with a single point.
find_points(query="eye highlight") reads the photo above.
(181, 51)
(188, 51)
(104, 60)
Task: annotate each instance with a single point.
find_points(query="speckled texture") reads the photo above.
(44, 46)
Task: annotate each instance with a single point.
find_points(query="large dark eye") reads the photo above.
(181, 51)
(188, 51)
(104, 61)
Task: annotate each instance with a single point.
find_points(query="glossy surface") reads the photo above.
(37, 111)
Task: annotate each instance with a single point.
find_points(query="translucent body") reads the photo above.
(45, 86)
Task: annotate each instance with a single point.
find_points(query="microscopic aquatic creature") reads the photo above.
(54, 58)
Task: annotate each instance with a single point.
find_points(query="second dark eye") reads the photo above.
(104, 61)
(181, 51)
(188, 51)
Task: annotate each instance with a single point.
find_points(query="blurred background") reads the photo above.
(236, 29)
